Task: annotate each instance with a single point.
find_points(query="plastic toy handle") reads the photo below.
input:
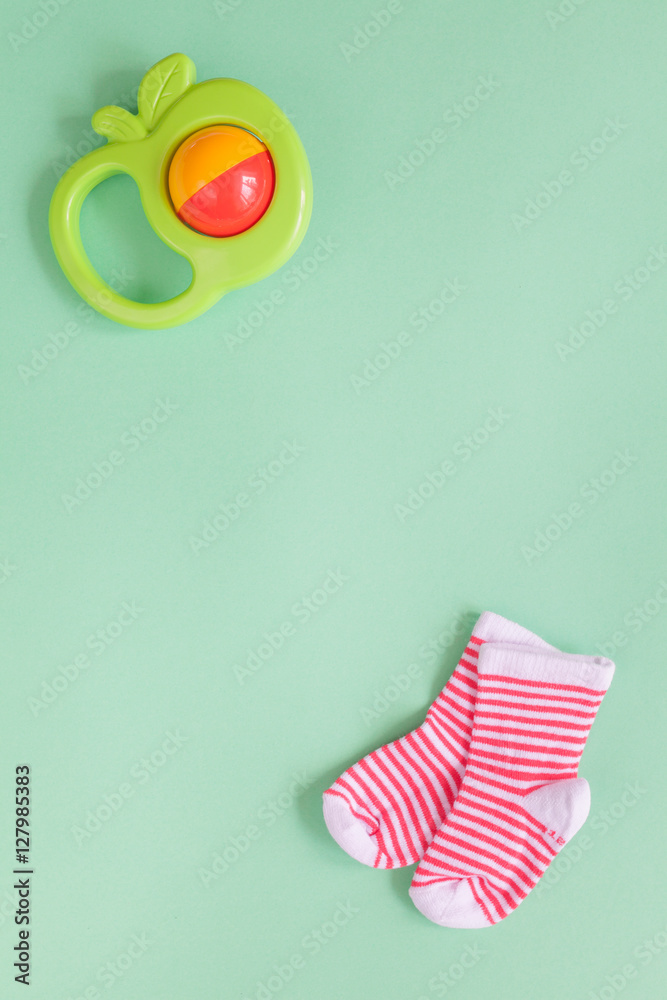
(64, 225)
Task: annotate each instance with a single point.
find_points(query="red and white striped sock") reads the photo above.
(520, 800)
(385, 809)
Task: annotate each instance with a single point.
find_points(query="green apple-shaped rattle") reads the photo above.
(223, 179)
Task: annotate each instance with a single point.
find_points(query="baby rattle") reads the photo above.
(223, 179)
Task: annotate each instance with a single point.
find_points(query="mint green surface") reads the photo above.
(258, 409)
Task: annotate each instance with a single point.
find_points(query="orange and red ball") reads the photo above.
(221, 180)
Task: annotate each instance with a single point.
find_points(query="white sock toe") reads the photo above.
(349, 832)
(561, 805)
(450, 904)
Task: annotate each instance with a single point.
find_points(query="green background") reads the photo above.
(458, 216)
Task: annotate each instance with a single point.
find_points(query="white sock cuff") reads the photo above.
(494, 628)
(547, 665)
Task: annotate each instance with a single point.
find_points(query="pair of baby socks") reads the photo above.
(485, 793)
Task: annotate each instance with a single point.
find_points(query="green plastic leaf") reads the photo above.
(117, 124)
(163, 85)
